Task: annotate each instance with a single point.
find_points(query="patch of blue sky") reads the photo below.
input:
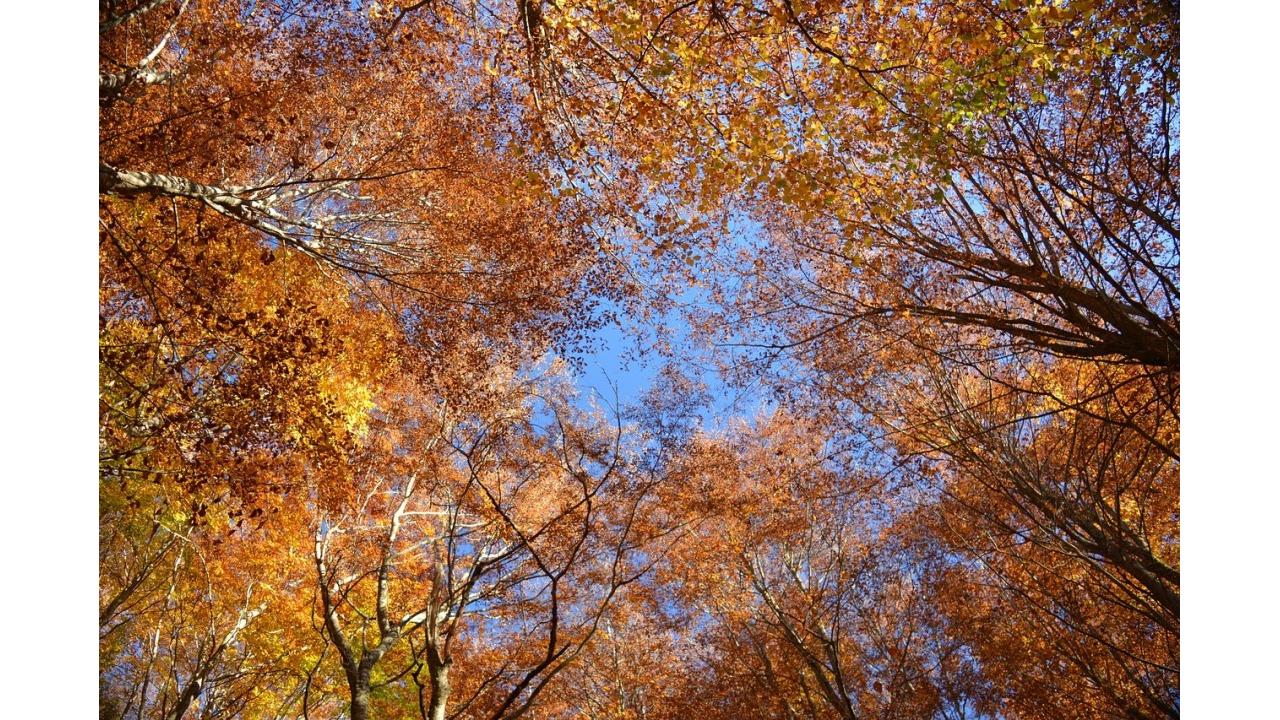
(625, 357)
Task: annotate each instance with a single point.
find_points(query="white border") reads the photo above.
(1231, 356)
(48, 418)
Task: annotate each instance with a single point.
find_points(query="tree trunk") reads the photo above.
(439, 689)
(359, 684)
(359, 704)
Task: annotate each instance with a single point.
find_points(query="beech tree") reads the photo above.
(479, 558)
(237, 222)
(350, 253)
(821, 605)
(971, 228)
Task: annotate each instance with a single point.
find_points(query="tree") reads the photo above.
(193, 617)
(347, 247)
(288, 213)
(969, 260)
(480, 558)
(817, 600)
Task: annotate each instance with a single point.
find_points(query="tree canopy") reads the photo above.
(353, 254)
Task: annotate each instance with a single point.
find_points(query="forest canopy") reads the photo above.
(908, 272)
